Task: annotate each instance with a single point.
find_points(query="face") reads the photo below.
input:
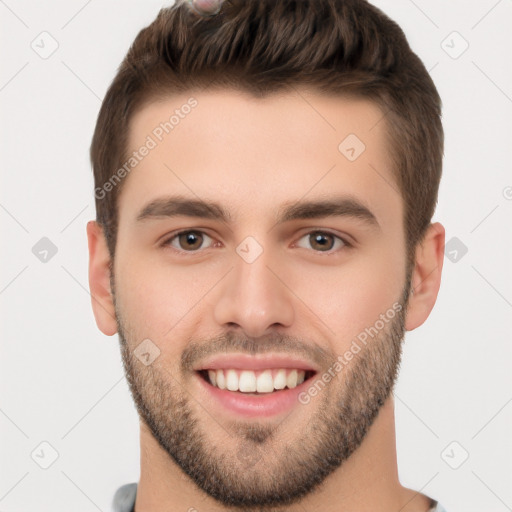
(260, 286)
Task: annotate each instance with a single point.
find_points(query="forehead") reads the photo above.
(248, 152)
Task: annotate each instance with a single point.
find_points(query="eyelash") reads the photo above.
(166, 243)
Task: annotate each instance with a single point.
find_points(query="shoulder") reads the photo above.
(437, 508)
(124, 498)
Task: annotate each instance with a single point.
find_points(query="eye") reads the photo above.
(322, 241)
(189, 241)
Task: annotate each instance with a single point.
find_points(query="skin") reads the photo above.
(287, 152)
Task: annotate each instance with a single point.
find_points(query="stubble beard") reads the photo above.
(257, 471)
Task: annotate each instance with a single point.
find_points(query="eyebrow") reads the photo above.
(175, 206)
(343, 206)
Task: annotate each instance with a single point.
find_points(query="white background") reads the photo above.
(62, 380)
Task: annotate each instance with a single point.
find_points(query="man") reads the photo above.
(266, 172)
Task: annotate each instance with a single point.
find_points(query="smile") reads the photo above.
(259, 381)
(254, 386)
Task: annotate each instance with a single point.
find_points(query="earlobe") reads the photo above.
(99, 280)
(426, 276)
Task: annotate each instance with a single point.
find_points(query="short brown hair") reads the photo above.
(341, 47)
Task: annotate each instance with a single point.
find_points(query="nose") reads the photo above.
(254, 298)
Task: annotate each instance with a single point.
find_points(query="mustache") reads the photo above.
(236, 343)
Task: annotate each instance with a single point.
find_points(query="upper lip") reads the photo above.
(255, 362)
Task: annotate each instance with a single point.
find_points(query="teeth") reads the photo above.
(220, 379)
(291, 380)
(247, 381)
(264, 382)
(280, 379)
(232, 380)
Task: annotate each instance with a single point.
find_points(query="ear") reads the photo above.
(99, 280)
(426, 276)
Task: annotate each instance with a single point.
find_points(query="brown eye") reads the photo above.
(189, 241)
(321, 241)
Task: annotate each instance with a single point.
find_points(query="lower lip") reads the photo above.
(264, 405)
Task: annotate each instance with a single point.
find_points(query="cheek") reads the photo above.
(351, 297)
(161, 301)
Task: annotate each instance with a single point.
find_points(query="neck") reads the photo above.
(366, 482)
